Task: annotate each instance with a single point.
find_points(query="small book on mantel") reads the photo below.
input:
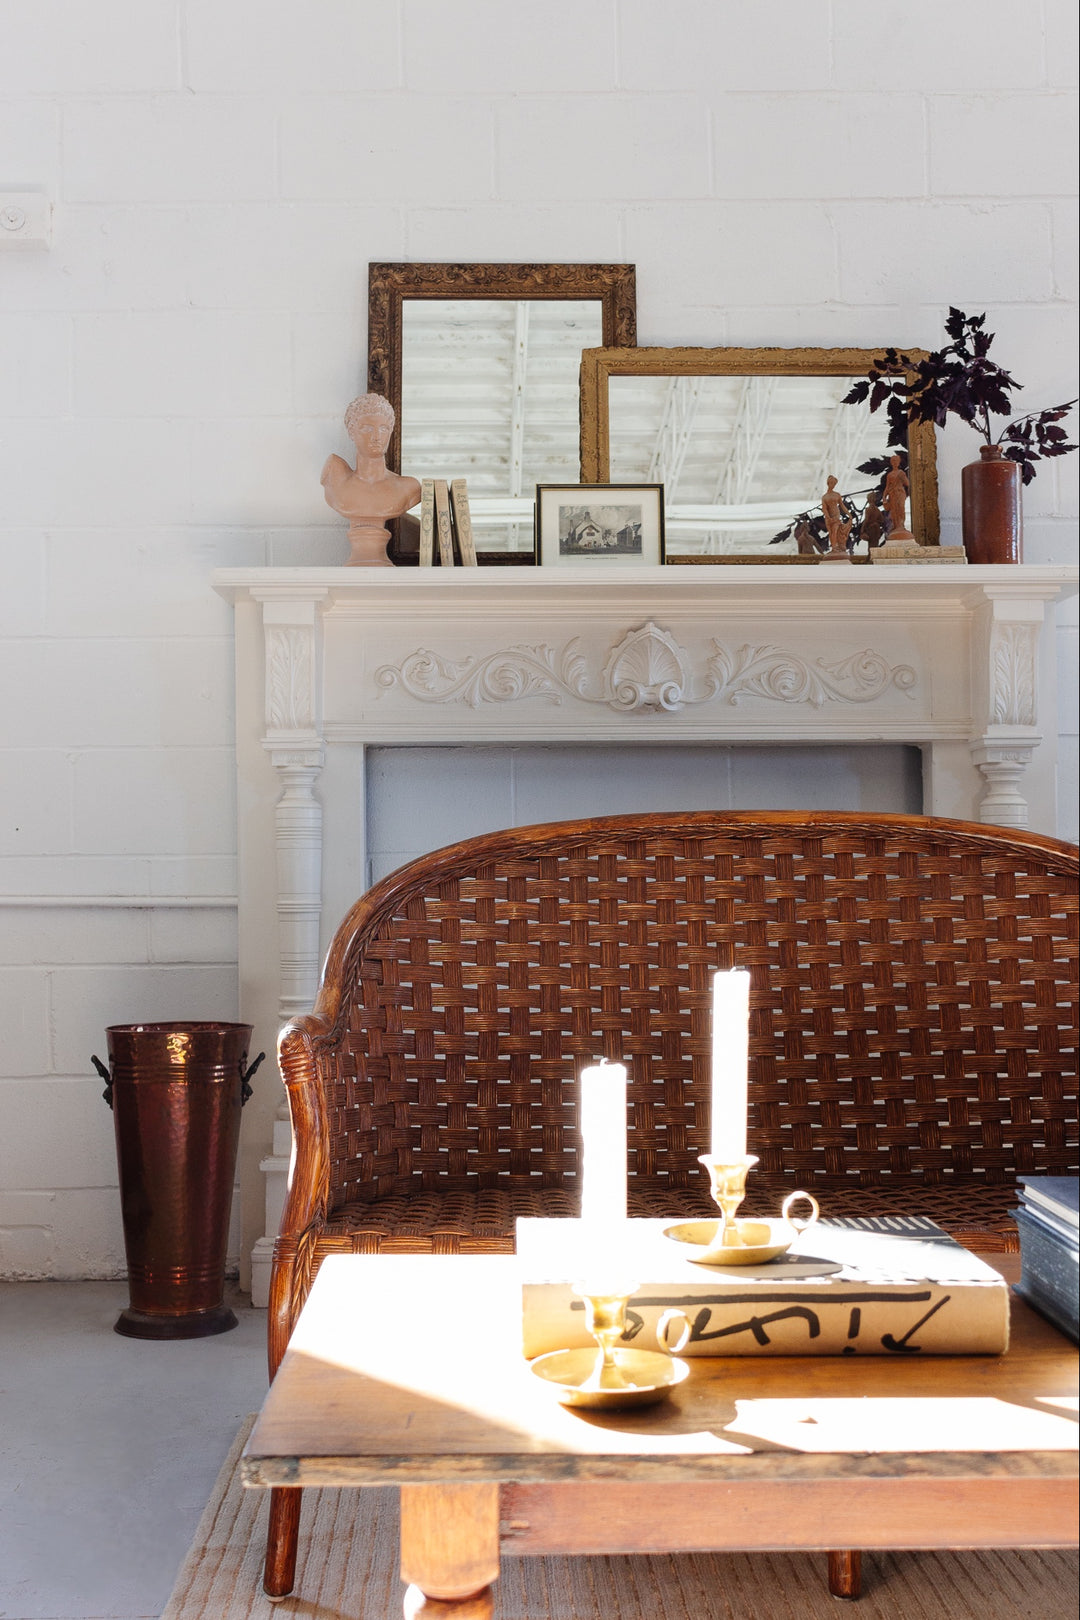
(896, 1286)
(443, 528)
(459, 503)
(1048, 1221)
(427, 523)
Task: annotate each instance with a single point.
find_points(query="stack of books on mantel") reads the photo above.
(1048, 1221)
(895, 1286)
(446, 531)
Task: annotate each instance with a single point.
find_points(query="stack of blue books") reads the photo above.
(1048, 1221)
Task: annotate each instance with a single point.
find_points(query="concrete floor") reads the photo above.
(109, 1448)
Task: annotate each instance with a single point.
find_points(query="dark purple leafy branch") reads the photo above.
(961, 380)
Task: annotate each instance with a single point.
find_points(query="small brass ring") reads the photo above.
(669, 1320)
(792, 1220)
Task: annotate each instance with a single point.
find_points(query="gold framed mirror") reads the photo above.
(481, 364)
(743, 441)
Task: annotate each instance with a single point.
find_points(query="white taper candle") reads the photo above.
(730, 1049)
(603, 1144)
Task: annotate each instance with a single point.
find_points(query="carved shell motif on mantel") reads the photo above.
(646, 670)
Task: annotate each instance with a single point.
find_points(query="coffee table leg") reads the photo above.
(845, 1574)
(283, 1529)
(449, 1550)
(481, 1606)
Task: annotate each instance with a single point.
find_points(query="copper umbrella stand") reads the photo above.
(176, 1091)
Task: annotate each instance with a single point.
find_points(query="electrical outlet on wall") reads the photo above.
(25, 219)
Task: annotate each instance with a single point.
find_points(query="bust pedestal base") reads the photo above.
(367, 546)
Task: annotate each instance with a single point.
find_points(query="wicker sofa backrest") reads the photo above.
(914, 1001)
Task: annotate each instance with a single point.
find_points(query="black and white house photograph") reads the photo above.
(591, 530)
(608, 523)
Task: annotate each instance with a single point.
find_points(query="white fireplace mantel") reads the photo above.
(952, 658)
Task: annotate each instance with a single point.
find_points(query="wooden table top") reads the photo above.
(408, 1369)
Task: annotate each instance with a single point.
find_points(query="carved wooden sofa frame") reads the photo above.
(913, 1042)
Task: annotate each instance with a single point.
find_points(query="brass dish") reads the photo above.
(733, 1242)
(630, 1378)
(759, 1241)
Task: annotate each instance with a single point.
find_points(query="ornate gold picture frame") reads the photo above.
(614, 285)
(600, 366)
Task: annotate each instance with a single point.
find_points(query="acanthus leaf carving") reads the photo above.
(1012, 674)
(646, 670)
(289, 704)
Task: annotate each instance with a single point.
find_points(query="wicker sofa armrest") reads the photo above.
(309, 1178)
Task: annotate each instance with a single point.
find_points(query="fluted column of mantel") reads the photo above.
(1005, 685)
(293, 739)
(294, 742)
(298, 835)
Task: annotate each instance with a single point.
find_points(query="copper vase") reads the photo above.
(176, 1091)
(993, 515)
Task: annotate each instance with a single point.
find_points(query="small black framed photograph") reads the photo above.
(618, 525)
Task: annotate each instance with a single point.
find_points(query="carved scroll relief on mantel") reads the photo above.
(647, 670)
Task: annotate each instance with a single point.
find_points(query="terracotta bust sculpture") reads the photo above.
(896, 494)
(368, 493)
(838, 521)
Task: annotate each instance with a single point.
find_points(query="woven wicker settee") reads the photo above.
(913, 1042)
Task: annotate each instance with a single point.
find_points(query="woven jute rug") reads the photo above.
(347, 1570)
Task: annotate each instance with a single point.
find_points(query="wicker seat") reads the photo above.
(913, 1041)
(483, 1222)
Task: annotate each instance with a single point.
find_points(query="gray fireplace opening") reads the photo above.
(420, 798)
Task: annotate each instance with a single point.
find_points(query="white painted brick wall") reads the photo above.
(472, 48)
(701, 45)
(173, 371)
(1062, 42)
(619, 147)
(963, 129)
(336, 45)
(1063, 227)
(66, 972)
(188, 363)
(964, 45)
(168, 149)
(830, 145)
(68, 49)
(382, 148)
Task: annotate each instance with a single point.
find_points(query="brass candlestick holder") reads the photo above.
(733, 1242)
(727, 1183)
(615, 1375)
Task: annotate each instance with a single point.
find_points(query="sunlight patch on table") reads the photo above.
(903, 1424)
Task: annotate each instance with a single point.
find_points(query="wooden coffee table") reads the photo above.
(408, 1371)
